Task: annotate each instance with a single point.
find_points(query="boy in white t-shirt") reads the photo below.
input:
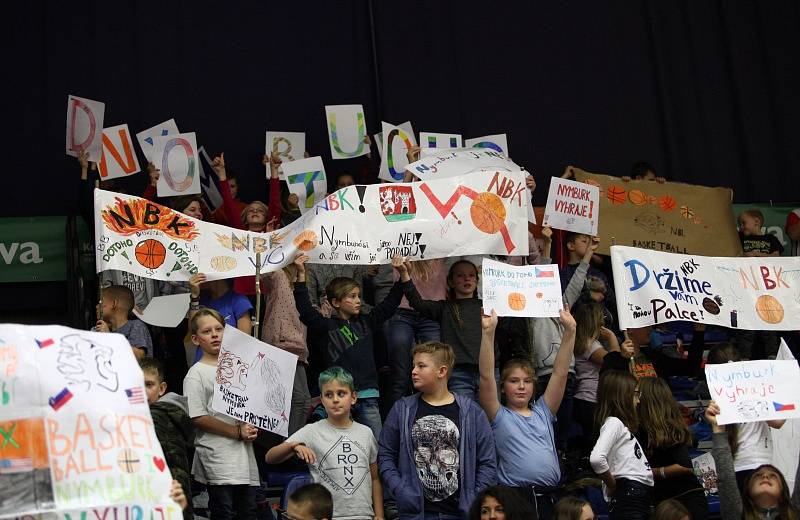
(341, 453)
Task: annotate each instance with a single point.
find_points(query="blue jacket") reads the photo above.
(477, 471)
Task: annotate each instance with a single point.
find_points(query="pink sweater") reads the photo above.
(435, 288)
(281, 326)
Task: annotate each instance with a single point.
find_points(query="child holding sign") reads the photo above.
(341, 453)
(224, 458)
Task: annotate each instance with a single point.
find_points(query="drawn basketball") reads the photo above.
(687, 212)
(128, 460)
(539, 295)
(223, 263)
(151, 253)
(305, 240)
(769, 309)
(487, 212)
(516, 301)
(667, 203)
(637, 197)
(615, 194)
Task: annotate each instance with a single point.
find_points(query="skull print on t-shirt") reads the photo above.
(436, 437)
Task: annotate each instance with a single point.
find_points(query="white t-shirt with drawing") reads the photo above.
(343, 457)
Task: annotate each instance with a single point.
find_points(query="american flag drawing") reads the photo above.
(135, 395)
(543, 273)
(15, 465)
(60, 399)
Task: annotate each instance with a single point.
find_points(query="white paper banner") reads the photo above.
(572, 206)
(449, 163)
(177, 158)
(165, 311)
(746, 293)
(254, 382)
(306, 179)
(358, 225)
(77, 435)
(751, 391)
(786, 440)
(529, 290)
(290, 146)
(347, 128)
(497, 142)
(434, 140)
(145, 137)
(397, 140)
(85, 127)
(119, 157)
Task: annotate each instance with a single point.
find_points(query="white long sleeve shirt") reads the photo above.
(618, 451)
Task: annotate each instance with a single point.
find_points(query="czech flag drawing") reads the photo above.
(45, 342)
(543, 273)
(782, 407)
(60, 399)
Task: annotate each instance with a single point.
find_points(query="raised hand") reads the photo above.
(300, 261)
(547, 233)
(566, 319)
(489, 322)
(219, 166)
(195, 282)
(154, 174)
(530, 183)
(413, 154)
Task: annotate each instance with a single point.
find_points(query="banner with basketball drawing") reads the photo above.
(76, 435)
(670, 217)
(744, 293)
(484, 214)
(528, 290)
(254, 382)
(752, 391)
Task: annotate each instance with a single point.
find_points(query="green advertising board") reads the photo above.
(34, 249)
(774, 220)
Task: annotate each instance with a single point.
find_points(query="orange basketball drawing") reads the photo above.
(615, 194)
(667, 203)
(769, 309)
(516, 301)
(637, 197)
(151, 253)
(488, 212)
(305, 240)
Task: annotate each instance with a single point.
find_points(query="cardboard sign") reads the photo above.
(746, 293)
(76, 435)
(433, 140)
(210, 193)
(529, 290)
(85, 127)
(146, 137)
(177, 158)
(572, 206)
(497, 142)
(397, 140)
(290, 146)
(119, 158)
(671, 217)
(347, 128)
(306, 179)
(254, 382)
(752, 391)
(359, 224)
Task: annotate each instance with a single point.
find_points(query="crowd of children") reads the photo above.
(428, 407)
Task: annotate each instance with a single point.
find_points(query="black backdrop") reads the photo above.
(705, 90)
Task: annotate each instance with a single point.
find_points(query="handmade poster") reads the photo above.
(474, 214)
(290, 146)
(119, 158)
(145, 137)
(572, 206)
(774, 221)
(497, 142)
(85, 127)
(397, 140)
(433, 140)
(177, 158)
(347, 129)
(76, 435)
(165, 311)
(254, 382)
(306, 179)
(448, 163)
(706, 471)
(738, 293)
(751, 391)
(671, 217)
(786, 440)
(528, 290)
(209, 191)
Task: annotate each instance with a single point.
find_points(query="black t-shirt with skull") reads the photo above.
(436, 436)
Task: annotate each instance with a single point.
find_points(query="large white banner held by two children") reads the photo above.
(76, 435)
(746, 293)
(473, 214)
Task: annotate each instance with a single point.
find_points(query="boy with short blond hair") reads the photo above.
(436, 450)
(754, 241)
